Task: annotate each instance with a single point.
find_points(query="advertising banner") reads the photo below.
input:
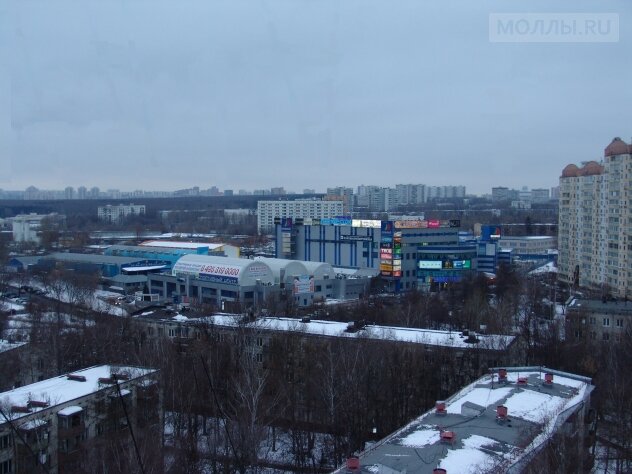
(430, 264)
(303, 284)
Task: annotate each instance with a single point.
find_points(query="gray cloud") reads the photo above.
(161, 95)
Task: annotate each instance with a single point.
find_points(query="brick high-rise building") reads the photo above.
(594, 222)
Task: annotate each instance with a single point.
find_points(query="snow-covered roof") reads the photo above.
(548, 268)
(143, 269)
(60, 390)
(7, 346)
(70, 410)
(174, 244)
(228, 270)
(284, 268)
(391, 333)
(320, 270)
(482, 443)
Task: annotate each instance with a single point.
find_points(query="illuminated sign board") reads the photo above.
(490, 232)
(386, 267)
(397, 273)
(424, 224)
(387, 227)
(336, 221)
(286, 224)
(410, 224)
(461, 264)
(366, 223)
(386, 253)
(430, 264)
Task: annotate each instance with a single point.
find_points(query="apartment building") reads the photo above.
(598, 320)
(63, 424)
(267, 211)
(513, 420)
(595, 221)
(116, 214)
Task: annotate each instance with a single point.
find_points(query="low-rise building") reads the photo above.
(462, 356)
(221, 280)
(523, 419)
(28, 227)
(62, 424)
(530, 247)
(607, 321)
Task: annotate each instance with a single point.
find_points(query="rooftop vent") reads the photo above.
(107, 380)
(38, 404)
(440, 408)
(20, 409)
(76, 378)
(548, 379)
(353, 464)
(522, 381)
(502, 375)
(121, 376)
(305, 319)
(448, 437)
(471, 338)
(439, 470)
(501, 413)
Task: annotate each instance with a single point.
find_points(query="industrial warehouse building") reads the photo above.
(220, 280)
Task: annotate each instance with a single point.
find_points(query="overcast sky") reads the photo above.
(300, 93)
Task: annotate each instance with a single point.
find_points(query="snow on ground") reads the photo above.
(481, 396)
(277, 446)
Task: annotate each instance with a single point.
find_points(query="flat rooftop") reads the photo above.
(179, 245)
(7, 346)
(339, 329)
(481, 443)
(61, 389)
(619, 306)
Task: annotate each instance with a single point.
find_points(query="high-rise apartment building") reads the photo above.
(300, 208)
(594, 222)
(117, 214)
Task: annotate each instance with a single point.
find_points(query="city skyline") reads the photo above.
(113, 94)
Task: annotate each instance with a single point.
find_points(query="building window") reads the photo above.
(620, 322)
(606, 322)
(6, 467)
(593, 335)
(5, 442)
(592, 320)
(606, 336)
